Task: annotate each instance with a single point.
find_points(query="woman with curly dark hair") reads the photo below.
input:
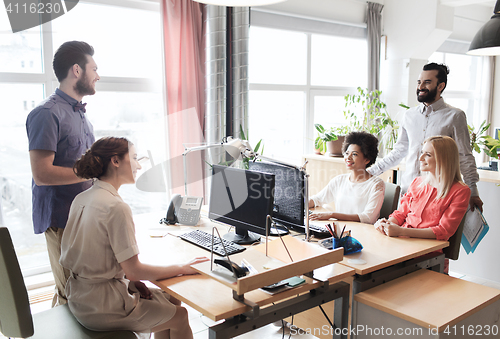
(99, 248)
(357, 195)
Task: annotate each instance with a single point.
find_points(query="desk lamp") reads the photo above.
(230, 145)
(153, 180)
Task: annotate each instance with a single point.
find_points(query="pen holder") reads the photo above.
(350, 244)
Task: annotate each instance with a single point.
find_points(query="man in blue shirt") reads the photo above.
(59, 134)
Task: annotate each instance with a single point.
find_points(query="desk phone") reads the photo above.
(184, 210)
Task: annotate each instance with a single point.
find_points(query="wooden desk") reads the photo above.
(215, 299)
(435, 306)
(387, 258)
(380, 251)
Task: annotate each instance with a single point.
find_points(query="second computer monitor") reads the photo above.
(243, 199)
(288, 193)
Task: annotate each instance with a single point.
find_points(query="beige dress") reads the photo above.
(99, 235)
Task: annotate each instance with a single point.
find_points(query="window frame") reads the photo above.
(49, 81)
(308, 27)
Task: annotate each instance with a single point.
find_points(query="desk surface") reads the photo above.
(214, 299)
(427, 302)
(380, 251)
(205, 294)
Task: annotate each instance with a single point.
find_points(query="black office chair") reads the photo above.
(391, 198)
(16, 319)
(453, 250)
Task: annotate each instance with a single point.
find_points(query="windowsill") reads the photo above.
(39, 280)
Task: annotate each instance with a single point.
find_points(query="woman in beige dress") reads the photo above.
(99, 248)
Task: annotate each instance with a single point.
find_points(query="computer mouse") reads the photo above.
(232, 266)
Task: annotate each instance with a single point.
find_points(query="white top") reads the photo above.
(419, 123)
(364, 198)
(99, 235)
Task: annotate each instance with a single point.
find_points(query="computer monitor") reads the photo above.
(243, 199)
(289, 192)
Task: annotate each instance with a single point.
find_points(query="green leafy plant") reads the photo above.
(324, 135)
(475, 136)
(258, 146)
(490, 146)
(374, 116)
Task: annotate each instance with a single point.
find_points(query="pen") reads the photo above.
(331, 230)
(328, 228)
(334, 228)
(342, 234)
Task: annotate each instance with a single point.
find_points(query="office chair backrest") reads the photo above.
(15, 313)
(453, 250)
(391, 198)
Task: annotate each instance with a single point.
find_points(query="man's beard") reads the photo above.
(83, 86)
(428, 97)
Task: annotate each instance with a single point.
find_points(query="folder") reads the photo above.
(475, 228)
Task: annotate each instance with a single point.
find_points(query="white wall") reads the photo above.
(482, 263)
(495, 122)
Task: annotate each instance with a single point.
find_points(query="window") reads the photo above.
(298, 79)
(17, 49)
(466, 87)
(279, 57)
(277, 118)
(127, 43)
(463, 89)
(332, 66)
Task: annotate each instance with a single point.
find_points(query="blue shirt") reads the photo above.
(55, 126)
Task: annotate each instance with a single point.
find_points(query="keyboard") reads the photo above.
(204, 240)
(317, 230)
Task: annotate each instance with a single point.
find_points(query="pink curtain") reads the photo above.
(185, 85)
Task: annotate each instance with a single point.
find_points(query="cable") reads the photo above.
(326, 316)
(279, 235)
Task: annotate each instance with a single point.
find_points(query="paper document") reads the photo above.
(475, 227)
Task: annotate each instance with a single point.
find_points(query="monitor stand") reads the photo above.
(242, 237)
(277, 229)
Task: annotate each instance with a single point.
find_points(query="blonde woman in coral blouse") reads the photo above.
(435, 203)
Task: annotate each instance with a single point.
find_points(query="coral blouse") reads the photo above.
(419, 208)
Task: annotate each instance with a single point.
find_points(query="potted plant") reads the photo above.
(375, 119)
(491, 146)
(324, 140)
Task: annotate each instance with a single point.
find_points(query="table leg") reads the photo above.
(242, 324)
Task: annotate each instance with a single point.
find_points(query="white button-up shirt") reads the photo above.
(421, 122)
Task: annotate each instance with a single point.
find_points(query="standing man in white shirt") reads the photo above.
(432, 117)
